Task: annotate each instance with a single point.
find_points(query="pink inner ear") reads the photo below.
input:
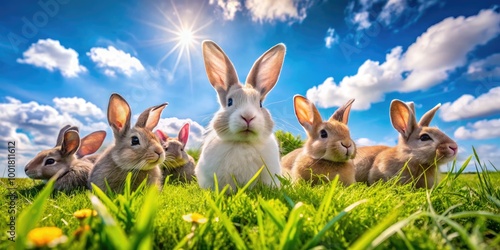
(184, 134)
(162, 136)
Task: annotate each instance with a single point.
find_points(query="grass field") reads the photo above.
(462, 212)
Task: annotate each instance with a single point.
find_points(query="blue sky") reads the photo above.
(60, 61)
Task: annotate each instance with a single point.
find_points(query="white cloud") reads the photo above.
(78, 106)
(486, 68)
(387, 13)
(484, 129)
(392, 10)
(331, 38)
(362, 20)
(445, 46)
(365, 142)
(467, 106)
(34, 127)
(369, 85)
(172, 126)
(427, 62)
(51, 55)
(229, 7)
(113, 60)
(266, 10)
(489, 153)
(280, 10)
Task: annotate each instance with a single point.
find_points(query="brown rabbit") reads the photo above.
(421, 147)
(72, 172)
(136, 149)
(177, 162)
(329, 149)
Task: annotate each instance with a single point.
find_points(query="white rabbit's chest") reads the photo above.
(240, 161)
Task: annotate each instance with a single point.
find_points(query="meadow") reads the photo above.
(461, 212)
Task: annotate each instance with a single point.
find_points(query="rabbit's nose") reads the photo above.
(247, 119)
(454, 148)
(347, 145)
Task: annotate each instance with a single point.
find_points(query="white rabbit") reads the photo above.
(240, 137)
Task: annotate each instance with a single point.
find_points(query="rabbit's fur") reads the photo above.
(178, 163)
(136, 149)
(63, 160)
(421, 147)
(329, 149)
(239, 140)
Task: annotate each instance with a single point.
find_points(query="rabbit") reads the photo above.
(239, 140)
(329, 149)
(61, 160)
(177, 162)
(136, 149)
(420, 147)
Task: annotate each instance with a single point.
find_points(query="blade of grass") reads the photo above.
(288, 239)
(252, 180)
(367, 239)
(143, 238)
(275, 217)
(114, 233)
(228, 224)
(104, 199)
(325, 205)
(31, 215)
(260, 223)
(315, 240)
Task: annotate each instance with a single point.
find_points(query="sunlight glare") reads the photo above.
(186, 37)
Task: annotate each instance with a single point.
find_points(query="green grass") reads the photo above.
(462, 212)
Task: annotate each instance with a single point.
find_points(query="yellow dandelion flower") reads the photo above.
(45, 237)
(84, 213)
(195, 218)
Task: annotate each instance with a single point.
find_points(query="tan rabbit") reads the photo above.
(329, 149)
(62, 161)
(177, 162)
(136, 149)
(421, 147)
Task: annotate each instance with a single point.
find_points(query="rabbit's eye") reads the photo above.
(135, 141)
(261, 104)
(425, 137)
(230, 102)
(49, 161)
(323, 133)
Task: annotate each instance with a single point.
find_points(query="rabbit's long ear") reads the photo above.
(184, 134)
(412, 107)
(150, 117)
(402, 118)
(162, 136)
(91, 143)
(70, 144)
(342, 113)
(118, 115)
(61, 135)
(427, 117)
(266, 70)
(306, 113)
(220, 70)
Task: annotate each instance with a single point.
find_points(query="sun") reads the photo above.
(186, 37)
(182, 32)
